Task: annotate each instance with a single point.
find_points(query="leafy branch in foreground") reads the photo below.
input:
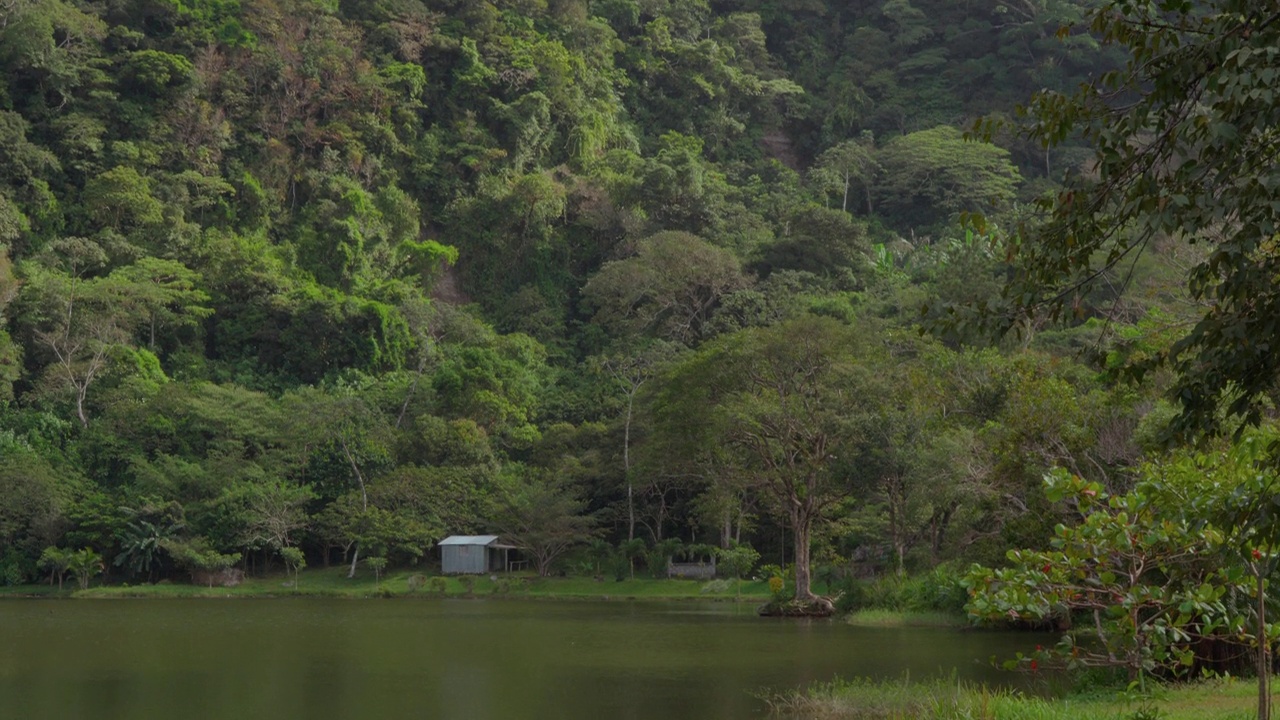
(1184, 147)
(1142, 578)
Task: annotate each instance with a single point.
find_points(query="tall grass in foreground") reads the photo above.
(949, 699)
(864, 699)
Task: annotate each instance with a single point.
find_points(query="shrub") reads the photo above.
(938, 590)
(718, 586)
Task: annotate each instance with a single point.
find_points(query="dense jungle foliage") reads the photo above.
(290, 281)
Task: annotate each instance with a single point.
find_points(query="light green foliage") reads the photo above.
(320, 328)
(121, 199)
(296, 561)
(85, 564)
(197, 556)
(669, 290)
(350, 235)
(543, 516)
(738, 561)
(428, 259)
(157, 73)
(265, 513)
(850, 165)
(940, 170)
(9, 352)
(495, 381)
(377, 565)
(160, 295)
(384, 526)
(78, 319)
(57, 561)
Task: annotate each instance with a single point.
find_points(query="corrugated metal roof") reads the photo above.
(469, 540)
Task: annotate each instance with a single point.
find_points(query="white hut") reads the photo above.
(474, 555)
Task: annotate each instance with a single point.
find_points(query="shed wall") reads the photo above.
(463, 559)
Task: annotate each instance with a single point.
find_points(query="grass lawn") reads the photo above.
(42, 590)
(333, 582)
(1227, 699)
(643, 588)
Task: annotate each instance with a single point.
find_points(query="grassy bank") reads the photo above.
(948, 700)
(906, 618)
(333, 582)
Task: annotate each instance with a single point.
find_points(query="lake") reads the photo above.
(321, 659)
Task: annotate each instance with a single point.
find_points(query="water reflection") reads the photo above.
(478, 660)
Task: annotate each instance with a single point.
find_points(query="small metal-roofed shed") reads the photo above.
(474, 554)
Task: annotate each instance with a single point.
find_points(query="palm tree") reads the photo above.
(84, 565)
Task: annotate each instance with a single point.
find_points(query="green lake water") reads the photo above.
(318, 659)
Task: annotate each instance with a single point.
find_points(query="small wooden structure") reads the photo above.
(694, 570)
(474, 555)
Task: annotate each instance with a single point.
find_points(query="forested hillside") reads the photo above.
(621, 276)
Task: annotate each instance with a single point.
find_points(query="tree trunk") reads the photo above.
(801, 523)
(1264, 654)
(895, 494)
(802, 516)
(355, 558)
(408, 396)
(364, 500)
(939, 524)
(81, 391)
(626, 468)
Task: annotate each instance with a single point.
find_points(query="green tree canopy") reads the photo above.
(931, 176)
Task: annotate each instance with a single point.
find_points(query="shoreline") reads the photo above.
(333, 583)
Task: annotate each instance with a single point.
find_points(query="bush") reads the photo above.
(853, 596)
(938, 590)
(718, 586)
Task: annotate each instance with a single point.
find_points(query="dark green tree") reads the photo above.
(1183, 147)
(794, 400)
